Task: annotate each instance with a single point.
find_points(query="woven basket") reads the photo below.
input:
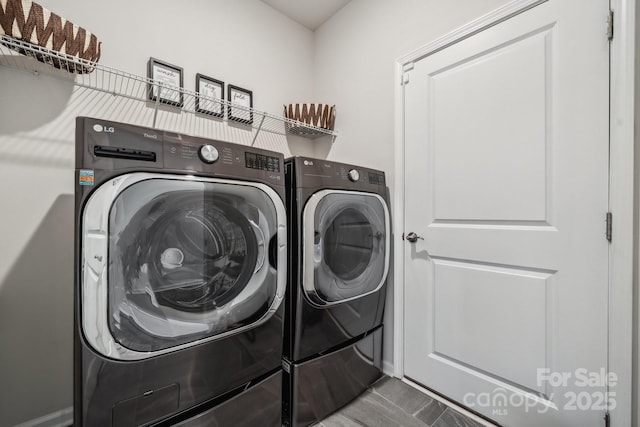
(31, 23)
(319, 115)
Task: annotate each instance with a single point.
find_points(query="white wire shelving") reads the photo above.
(91, 78)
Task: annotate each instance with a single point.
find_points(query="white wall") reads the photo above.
(355, 59)
(245, 43)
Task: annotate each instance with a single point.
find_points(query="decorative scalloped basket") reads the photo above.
(29, 22)
(319, 115)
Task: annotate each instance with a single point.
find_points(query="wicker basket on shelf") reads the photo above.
(32, 24)
(319, 115)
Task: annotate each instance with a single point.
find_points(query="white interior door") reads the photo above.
(506, 163)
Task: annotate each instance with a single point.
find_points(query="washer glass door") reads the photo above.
(188, 260)
(346, 246)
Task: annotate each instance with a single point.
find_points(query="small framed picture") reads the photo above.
(167, 83)
(241, 106)
(209, 88)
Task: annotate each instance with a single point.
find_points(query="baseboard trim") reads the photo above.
(61, 418)
(387, 368)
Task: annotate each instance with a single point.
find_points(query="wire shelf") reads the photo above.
(96, 77)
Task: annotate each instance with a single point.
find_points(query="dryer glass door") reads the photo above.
(188, 260)
(346, 246)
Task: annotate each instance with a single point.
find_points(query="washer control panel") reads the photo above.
(262, 162)
(220, 158)
(119, 146)
(208, 153)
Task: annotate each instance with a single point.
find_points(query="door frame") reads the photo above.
(622, 194)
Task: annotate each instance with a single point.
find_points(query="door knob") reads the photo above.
(413, 237)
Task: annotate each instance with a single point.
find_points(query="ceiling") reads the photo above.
(310, 13)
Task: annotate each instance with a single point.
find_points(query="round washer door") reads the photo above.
(170, 262)
(346, 246)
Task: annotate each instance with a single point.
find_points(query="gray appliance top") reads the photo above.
(318, 173)
(113, 146)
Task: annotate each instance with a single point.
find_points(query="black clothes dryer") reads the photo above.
(339, 245)
(180, 275)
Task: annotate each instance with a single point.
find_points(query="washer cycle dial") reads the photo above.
(354, 175)
(208, 153)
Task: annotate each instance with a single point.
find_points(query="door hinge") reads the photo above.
(607, 419)
(610, 25)
(609, 230)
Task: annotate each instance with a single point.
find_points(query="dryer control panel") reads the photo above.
(318, 173)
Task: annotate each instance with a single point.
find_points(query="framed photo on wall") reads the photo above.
(167, 83)
(209, 88)
(241, 106)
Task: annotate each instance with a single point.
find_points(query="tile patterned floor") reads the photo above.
(390, 402)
